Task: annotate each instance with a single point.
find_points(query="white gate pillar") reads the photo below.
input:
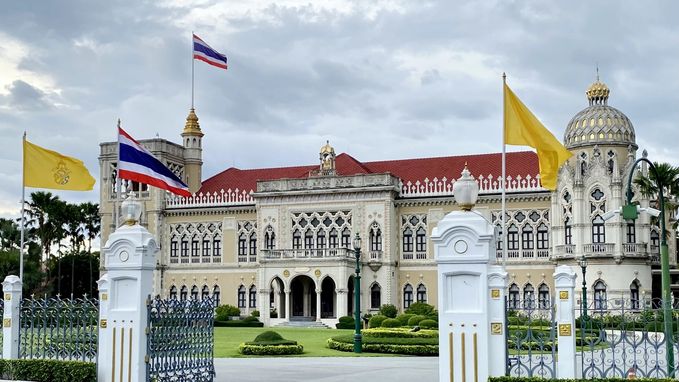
(11, 289)
(129, 256)
(471, 308)
(564, 282)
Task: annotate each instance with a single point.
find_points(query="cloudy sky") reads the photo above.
(381, 79)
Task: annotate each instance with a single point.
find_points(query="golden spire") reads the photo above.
(598, 92)
(192, 126)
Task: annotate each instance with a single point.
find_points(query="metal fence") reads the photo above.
(59, 328)
(180, 340)
(531, 339)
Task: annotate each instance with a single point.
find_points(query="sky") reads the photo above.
(379, 79)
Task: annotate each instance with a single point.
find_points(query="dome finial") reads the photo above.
(598, 92)
(597, 72)
(192, 127)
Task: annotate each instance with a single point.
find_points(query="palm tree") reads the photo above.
(668, 176)
(9, 234)
(92, 222)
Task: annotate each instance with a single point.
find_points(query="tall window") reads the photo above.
(308, 239)
(296, 239)
(421, 240)
(216, 248)
(513, 296)
(529, 296)
(543, 296)
(568, 233)
(512, 238)
(253, 296)
(184, 293)
(375, 296)
(320, 239)
(269, 238)
(634, 294)
(194, 292)
(241, 296)
(543, 236)
(407, 296)
(173, 292)
(185, 248)
(421, 293)
(215, 294)
(655, 240)
(332, 239)
(253, 246)
(375, 237)
(205, 292)
(599, 295)
(174, 248)
(206, 248)
(346, 238)
(500, 239)
(408, 241)
(631, 233)
(242, 247)
(195, 247)
(598, 230)
(527, 237)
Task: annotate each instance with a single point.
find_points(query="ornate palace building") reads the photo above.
(278, 240)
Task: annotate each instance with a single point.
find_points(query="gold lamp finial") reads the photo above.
(192, 126)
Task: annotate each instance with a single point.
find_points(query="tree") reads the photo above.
(45, 216)
(10, 235)
(668, 176)
(92, 222)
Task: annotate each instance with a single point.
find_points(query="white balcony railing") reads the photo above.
(375, 255)
(525, 254)
(487, 185)
(320, 253)
(600, 249)
(634, 249)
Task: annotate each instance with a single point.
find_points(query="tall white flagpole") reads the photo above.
(23, 203)
(116, 204)
(504, 177)
(193, 63)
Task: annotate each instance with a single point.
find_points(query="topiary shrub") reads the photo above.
(254, 313)
(390, 323)
(388, 310)
(268, 336)
(270, 343)
(403, 318)
(250, 319)
(376, 321)
(345, 322)
(421, 308)
(428, 324)
(223, 312)
(415, 320)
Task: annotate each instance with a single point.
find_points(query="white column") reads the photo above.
(497, 284)
(341, 302)
(318, 305)
(264, 306)
(287, 305)
(464, 248)
(129, 256)
(11, 289)
(564, 281)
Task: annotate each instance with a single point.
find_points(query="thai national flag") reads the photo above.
(203, 52)
(138, 164)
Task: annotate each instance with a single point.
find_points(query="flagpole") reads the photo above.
(193, 63)
(504, 177)
(118, 181)
(23, 202)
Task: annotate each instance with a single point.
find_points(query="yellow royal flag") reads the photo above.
(523, 128)
(45, 168)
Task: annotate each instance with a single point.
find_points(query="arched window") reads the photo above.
(215, 294)
(242, 247)
(527, 236)
(253, 247)
(320, 239)
(332, 239)
(205, 292)
(269, 238)
(513, 238)
(634, 294)
(500, 239)
(407, 296)
(296, 239)
(241, 296)
(253, 297)
(408, 243)
(194, 292)
(631, 233)
(529, 296)
(174, 250)
(599, 295)
(375, 296)
(598, 230)
(543, 237)
(173, 292)
(421, 243)
(346, 238)
(184, 293)
(421, 293)
(513, 296)
(308, 239)
(543, 296)
(375, 237)
(568, 233)
(655, 241)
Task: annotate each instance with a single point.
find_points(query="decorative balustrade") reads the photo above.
(375, 255)
(605, 249)
(520, 255)
(487, 185)
(216, 199)
(634, 249)
(319, 253)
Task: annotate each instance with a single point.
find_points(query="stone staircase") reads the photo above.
(303, 322)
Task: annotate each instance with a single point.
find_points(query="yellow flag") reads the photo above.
(45, 168)
(523, 129)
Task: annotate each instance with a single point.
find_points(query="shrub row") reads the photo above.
(405, 319)
(239, 323)
(345, 322)
(399, 333)
(44, 370)
(389, 341)
(250, 349)
(425, 350)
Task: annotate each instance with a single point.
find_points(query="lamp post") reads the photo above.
(357, 295)
(630, 212)
(583, 265)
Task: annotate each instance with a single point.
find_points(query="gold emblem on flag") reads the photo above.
(61, 173)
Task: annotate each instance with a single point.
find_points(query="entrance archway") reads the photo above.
(277, 298)
(350, 296)
(303, 291)
(328, 298)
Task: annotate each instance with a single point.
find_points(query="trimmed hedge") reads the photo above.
(250, 349)
(376, 321)
(239, 323)
(399, 333)
(349, 338)
(46, 370)
(346, 322)
(268, 336)
(424, 350)
(390, 323)
(415, 320)
(403, 318)
(428, 324)
(223, 312)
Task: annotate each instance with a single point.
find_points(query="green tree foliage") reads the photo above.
(388, 310)
(668, 176)
(423, 309)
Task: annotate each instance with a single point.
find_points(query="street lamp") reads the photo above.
(630, 212)
(357, 294)
(583, 265)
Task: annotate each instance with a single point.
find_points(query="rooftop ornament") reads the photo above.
(131, 209)
(466, 190)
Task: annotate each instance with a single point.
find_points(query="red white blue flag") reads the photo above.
(203, 52)
(138, 164)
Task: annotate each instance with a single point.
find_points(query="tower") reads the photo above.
(193, 151)
(327, 158)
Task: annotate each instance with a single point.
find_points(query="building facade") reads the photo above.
(279, 240)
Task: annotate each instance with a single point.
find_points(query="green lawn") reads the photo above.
(313, 340)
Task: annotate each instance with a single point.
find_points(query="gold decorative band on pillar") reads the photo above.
(450, 351)
(476, 359)
(129, 359)
(464, 361)
(113, 355)
(122, 352)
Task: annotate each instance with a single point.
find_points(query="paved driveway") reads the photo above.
(328, 369)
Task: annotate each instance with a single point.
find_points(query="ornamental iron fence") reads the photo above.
(622, 335)
(531, 338)
(180, 340)
(59, 328)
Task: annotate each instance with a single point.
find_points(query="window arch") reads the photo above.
(527, 236)
(529, 296)
(242, 247)
(407, 296)
(421, 243)
(375, 236)
(215, 294)
(320, 239)
(599, 295)
(568, 232)
(421, 293)
(205, 292)
(253, 247)
(543, 296)
(194, 292)
(173, 292)
(296, 239)
(634, 294)
(346, 238)
(513, 238)
(309, 239)
(332, 238)
(655, 240)
(598, 230)
(269, 238)
(253, 296)
(241, 296)
(375, 296)
(513, 296)
(184, 293)
(413, 236)
(408, 243)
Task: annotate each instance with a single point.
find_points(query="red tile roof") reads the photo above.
(518, 163)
